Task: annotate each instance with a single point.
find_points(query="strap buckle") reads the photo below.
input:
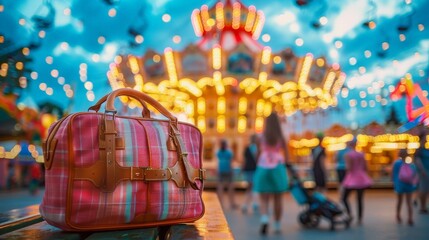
(202, 173)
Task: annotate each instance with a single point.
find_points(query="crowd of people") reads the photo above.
(266, 169)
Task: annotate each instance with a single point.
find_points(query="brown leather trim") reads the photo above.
(119, 143)
(139, 96)
(110, 135)
(49, 156)
(96, 106)
(96, 174)
(50, 144)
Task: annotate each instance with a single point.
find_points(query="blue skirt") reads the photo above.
(271, 180)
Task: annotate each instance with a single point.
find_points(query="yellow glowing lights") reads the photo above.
(205, 17)
(201, 123)
(171, 67)
(196, 23)
(134, 65)
(329, 81)
(259, 124)
(139, 39)
(277, 59)
(266, 55)
(138, 78)
(26, 51)
(251, 15)
(201, 106)
(242, 105)
(242, 122)
(236, 15)
(19, 65)
(217, 60)
(320, 62)
(221, 125)
(305, 69)
(219, 15)
(221, 105)
(260, 107)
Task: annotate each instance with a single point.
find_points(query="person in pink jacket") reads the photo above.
(356, 179)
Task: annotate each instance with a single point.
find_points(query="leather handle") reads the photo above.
(96, 107)
(142, 97)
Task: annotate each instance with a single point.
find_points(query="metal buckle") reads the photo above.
(202, 173)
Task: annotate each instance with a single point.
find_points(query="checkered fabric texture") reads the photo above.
(131, 201)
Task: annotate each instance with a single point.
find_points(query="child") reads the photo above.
(401, 187)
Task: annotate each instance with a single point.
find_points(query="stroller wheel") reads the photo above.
(308, 220)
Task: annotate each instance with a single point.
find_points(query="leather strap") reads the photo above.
(142, 97)
(96, 107)
(189, 171)
(110, 135)
(96, 175)
(182, 171)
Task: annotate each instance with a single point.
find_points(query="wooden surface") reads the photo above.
(212, 225)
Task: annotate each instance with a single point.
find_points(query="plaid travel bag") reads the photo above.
(110, 172)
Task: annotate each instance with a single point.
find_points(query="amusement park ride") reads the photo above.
(416, 115)
(228, 82)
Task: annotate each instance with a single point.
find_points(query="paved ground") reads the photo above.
(379, 219)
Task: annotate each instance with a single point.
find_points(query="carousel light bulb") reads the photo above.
(101, 40)
(421, 27)
(338, 44)
(64, 46)
(166, 18)
(266, 38)
(95, 57)
(352, 61)
(323, 20)
(54, 73)
(385, 46)
(42, 86)
(61, 80)
(112, 12)
(139, 39)
(34, 75)
(367, 53)
(402, 37)
(67, 11)
(26, 51)
(299, 42)
(19, 65)
(49, 91)
(22, 21)
(177, 39)
(42, 34)
(49, 60)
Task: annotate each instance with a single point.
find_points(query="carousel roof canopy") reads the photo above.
(69, 45)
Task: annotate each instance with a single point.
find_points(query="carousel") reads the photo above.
(227, 82)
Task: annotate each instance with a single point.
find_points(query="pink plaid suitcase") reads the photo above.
(109, 172)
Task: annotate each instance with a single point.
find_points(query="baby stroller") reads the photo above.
(317, 206)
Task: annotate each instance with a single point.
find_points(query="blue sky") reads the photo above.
(85, 38)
